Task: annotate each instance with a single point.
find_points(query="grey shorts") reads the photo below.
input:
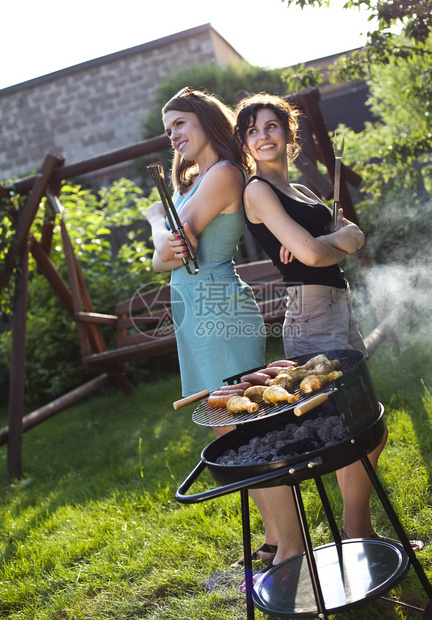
(319, 318)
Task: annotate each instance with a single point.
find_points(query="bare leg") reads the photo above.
(356, 489)
(290, 542)
(259, 499)
(281, 503)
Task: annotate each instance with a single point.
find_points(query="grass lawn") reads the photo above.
(93, 530)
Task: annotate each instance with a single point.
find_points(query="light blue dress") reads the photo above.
(219, 328)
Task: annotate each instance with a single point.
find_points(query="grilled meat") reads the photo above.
(314, 361)
(276, 394)
(255, 393)
(284, 380)
(300, 373)
(324, 366)
(284, 363)
(313, 383)
(321, 365)
(318, 365)
(240, 404)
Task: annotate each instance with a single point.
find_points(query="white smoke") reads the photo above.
(403, 288)
(399, 283)
(399, 296)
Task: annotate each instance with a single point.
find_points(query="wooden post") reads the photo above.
(48, 269)
(306, 162)
(146, 147)
(27, 214)
(385, 330)
(59, 404)
(38, 190)
(17, 377)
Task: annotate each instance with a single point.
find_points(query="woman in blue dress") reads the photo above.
(219, 328)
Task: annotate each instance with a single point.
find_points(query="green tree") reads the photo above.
(409, 18)
(393, 154)
(394, 157)
(401, 32)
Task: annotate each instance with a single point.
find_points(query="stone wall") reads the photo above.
(96, 106)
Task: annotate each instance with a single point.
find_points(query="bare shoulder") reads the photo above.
(225, 181)
(221, 189)
(225, 171)
(256, 189)
(259, 199)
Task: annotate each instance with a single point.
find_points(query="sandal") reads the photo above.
(257, 555)
(417, 545)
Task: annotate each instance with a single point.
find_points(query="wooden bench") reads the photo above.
(144, 323)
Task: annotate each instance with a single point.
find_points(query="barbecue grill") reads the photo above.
(332, 577)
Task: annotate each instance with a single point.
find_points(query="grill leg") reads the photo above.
(247, 553)
(397, 526)
(332, 522)
(327, 509)
(319, 599)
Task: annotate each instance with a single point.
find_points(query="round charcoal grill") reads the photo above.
(309, 464)
(352, 399)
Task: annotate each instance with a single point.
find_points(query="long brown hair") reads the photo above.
(217, 121)
(248, 108)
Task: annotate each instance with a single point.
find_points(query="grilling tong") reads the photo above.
(338, 151)
(156, 172)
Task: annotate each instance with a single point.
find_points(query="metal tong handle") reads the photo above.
(338, 151)
(156, 172)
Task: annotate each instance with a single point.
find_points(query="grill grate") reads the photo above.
(204, 415)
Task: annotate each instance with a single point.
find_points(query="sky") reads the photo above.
(45, 36)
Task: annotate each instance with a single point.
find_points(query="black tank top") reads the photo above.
(316, 219)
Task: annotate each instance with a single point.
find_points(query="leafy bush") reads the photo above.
(224, 82)
(110, 236)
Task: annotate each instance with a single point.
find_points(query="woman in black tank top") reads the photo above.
(293, 226)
